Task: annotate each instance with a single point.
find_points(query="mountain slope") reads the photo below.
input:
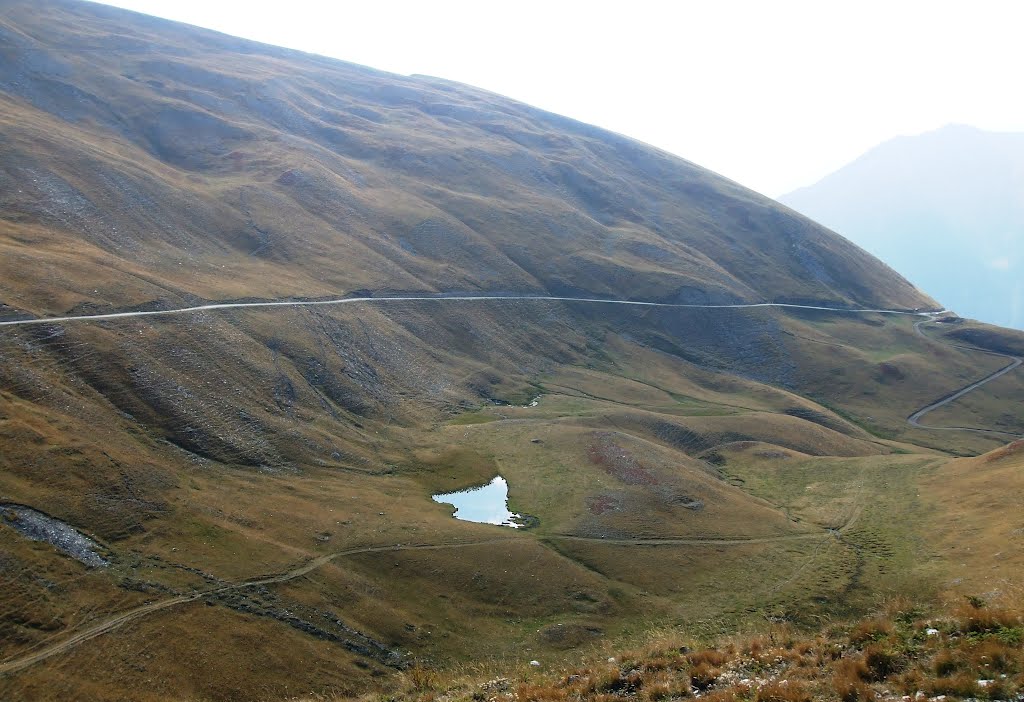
(945, 208)
(253, 485)
(177, 162)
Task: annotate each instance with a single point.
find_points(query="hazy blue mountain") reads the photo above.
(945, 209)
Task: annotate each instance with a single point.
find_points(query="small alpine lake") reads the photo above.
(484, 504)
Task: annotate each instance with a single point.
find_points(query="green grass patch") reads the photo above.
(472, 418)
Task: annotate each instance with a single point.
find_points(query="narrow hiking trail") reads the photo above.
(23, 661)
(17, 663)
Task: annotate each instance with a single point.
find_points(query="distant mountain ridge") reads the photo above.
(945, 208)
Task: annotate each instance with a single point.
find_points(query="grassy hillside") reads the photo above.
(966, 644)
(202, 452)
(163, 163)
(257, 482)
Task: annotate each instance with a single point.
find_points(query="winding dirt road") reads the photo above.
(915, 419)
(431, 298)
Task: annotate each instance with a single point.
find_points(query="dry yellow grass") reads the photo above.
(977, 525)
(967, 654)
(207, 451)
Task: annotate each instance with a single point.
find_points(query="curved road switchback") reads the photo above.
(915, 419)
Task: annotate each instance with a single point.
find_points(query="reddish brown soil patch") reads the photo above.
(618, 462)
(1008, 450)
(599, 504)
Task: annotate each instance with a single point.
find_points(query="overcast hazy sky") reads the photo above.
(772, 94)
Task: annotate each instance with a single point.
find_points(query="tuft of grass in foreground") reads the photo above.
(973, 651)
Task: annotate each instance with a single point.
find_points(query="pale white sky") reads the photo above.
(774, 94)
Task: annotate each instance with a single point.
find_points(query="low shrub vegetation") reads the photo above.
(973, 653)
